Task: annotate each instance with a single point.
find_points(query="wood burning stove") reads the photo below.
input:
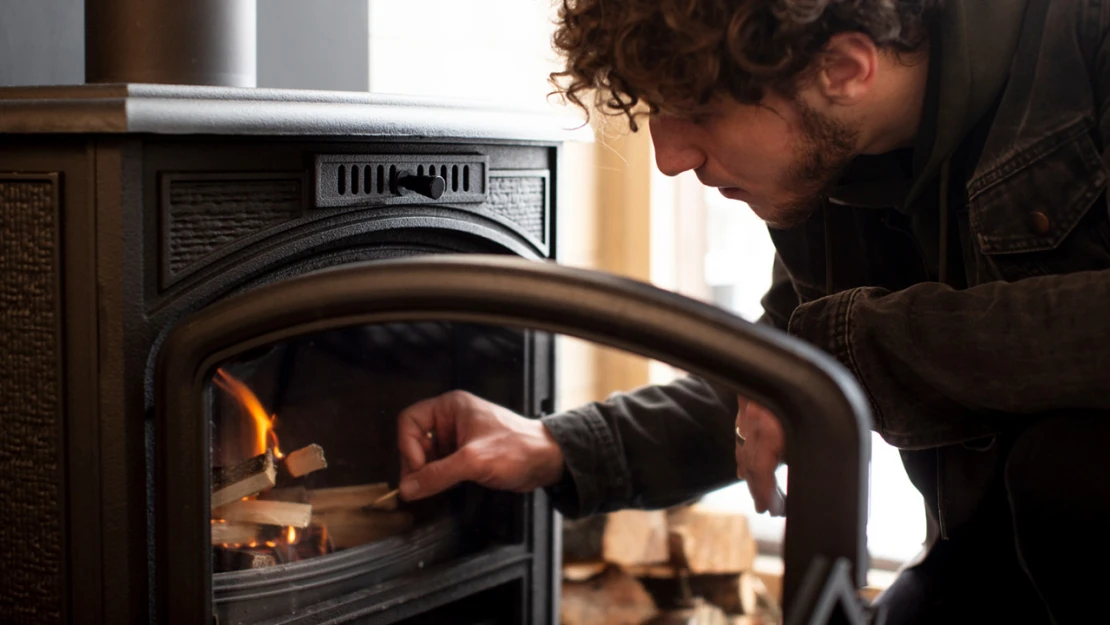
(167, 184)
(127, 208)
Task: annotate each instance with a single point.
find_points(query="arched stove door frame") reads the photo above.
(825, 414)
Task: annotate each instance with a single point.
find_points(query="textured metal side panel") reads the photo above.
(520, 198)
(205, 213)
(31, 525)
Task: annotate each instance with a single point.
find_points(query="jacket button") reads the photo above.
(1041, 223)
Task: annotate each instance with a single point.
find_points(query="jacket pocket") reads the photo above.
(1027, 213)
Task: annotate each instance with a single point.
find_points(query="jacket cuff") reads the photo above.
(824, 323)
(594, 474)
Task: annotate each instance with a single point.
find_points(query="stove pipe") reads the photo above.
(181, 42)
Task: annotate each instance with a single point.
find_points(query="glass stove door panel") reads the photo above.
(331, 359)
(305, 464)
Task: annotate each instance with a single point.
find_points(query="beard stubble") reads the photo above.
(825, 150)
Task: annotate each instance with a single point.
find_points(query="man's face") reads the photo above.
(779, 157)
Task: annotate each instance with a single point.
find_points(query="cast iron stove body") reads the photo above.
(126, 207)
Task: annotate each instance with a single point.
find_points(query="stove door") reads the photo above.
(467, 317)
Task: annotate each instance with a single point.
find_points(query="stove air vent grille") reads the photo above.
(390, 179)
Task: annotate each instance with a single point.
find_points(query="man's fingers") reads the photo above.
(741, 435)
(413, 454)
(761, 480)
(755, 460)
(758, 458)
(771, 428)
(420, 416)
(739, 461)
(437, 476)
(412, 442)
(414, 425)
(777, 506)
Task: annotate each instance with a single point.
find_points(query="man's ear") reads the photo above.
(847, 68)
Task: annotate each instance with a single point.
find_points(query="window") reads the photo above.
(498, 50)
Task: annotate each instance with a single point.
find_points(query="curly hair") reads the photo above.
(675, 56)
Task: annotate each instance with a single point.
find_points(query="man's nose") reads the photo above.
(675, 150)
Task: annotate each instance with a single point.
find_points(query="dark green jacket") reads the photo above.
(967, 299)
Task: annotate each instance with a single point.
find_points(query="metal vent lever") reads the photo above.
(428, 186)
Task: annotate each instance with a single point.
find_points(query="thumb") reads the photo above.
(436, 477)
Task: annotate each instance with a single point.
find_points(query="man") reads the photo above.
(934, 178)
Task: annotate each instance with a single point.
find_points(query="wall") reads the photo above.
(320, 44)
(42, 42)
(309, 45)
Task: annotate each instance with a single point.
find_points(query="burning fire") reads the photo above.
(253, 434)
(264, 434)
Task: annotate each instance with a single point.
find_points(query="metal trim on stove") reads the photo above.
(825, 414)
(197, 109)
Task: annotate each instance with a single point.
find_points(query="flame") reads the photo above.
(271, 544)
(274, 438)
(252, 544)
(264, 435)
(291, 535)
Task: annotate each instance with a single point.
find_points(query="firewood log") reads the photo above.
(243, 480)
(234, 533)
(352, 497)
(626, 538)
(583, 571)
(701, 613)
(635, 537)
(304, 461)
(292, 494)
(281, 513)
(375, 496)
(704, 540)
(612, 598)
(348, 528)
(732, 593)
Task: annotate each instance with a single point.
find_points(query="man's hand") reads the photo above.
(458, 437)
(759, 448)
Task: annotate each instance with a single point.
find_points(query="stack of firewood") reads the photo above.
(263, 514)
(685, 566)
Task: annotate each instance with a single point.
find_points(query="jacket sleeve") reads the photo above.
(651, 448)
(657, 446)
(942, 365)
